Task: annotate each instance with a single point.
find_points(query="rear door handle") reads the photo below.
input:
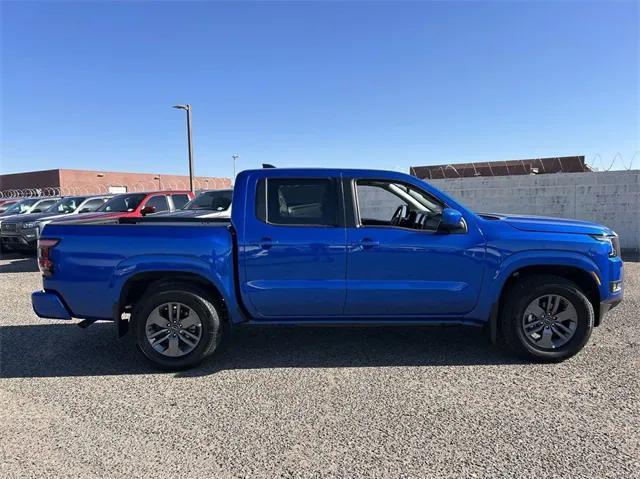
(368, 243)
(266, 243)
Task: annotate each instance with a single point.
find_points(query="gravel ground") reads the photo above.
(314, 402)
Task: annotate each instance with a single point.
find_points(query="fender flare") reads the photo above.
(215, 270)
(497, 277)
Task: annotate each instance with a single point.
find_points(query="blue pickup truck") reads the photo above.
(333, 247)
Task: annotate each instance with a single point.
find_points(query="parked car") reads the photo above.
(25, 206)
(207, 204)
(28, 205)
(334, 247)
(5, 203)
(134, 205)
(21, 232)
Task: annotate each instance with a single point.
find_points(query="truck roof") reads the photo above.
(328, 171)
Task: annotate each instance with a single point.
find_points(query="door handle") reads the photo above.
(368, 243)
(266, 243)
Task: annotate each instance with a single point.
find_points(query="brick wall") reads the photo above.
(70, 182)
(79, 180)
(32, 179)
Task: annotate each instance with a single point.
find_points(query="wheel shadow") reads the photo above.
(63, 349)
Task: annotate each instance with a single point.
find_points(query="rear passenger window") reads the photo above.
(310, 202)
(179, 201)
(159, 203)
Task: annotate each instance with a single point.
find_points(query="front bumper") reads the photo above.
(47, 304)
(612, 288)
(25, 240)
(605, 307)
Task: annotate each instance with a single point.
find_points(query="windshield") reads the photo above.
(5, 206)
(65, 205)
(123, 203)
(211, 200)
(20, 207)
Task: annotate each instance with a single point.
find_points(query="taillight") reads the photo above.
(44, 255)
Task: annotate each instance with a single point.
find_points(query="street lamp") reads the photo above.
(187, 108)
(235, 157)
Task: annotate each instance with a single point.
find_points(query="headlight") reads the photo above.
(613, 242)
(30, 225)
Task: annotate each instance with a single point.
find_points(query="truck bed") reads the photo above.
(93, 261)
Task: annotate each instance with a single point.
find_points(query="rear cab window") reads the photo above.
(179, 200)
(298, 202)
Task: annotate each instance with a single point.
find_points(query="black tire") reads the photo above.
(193, 297)
(521, 294)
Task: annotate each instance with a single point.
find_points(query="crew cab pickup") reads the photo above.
(333, 247)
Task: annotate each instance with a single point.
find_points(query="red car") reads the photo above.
(135, 205)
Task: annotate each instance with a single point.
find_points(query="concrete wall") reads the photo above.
(611, 198)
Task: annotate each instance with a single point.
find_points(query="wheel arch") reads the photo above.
(138, 284)
(584, 279)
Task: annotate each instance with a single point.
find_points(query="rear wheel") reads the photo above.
(546, 318)
(176, 325)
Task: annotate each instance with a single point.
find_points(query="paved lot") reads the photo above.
(312, 402)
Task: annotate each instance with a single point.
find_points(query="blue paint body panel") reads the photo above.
(322, 275)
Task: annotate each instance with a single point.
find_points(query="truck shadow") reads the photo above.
(60, 349)
(19, 264)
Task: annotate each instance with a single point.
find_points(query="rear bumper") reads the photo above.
(49, 305)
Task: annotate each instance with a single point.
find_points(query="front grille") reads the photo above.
(9, 227)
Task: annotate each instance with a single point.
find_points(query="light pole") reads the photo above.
(187, 108)
(235, 157)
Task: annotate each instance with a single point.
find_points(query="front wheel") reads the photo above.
(546, 318)
(176, 326)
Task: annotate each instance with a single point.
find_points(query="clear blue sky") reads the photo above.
(384, 85)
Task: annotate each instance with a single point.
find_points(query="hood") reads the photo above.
(547, 224)
(5, 215)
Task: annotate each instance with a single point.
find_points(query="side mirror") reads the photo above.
(451, 219)
(84, 210)
(147, 210)
(37, 210)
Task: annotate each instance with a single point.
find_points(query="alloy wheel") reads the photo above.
(549, 321)
(173, 329)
